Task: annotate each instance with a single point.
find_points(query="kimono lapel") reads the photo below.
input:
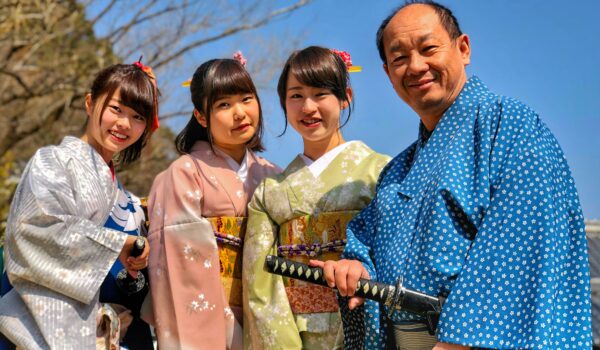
(297, 177)
(430, 154)
(342, 166)
(215, 164)
(97, 166)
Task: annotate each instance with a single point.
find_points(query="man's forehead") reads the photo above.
(414, 21)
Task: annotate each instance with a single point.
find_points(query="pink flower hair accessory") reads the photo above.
(238, 56)
(345, 56)
(150, 74)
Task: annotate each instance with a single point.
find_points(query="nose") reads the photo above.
(417, 64)
(238, 113)
(308, 106)
(124, 123)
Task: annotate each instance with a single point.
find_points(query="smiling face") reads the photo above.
(234, 120)
(313, 112)
(425, 66)
(115, 128)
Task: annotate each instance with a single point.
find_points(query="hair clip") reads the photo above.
(238, 56)
(345, 56)
(150, 74)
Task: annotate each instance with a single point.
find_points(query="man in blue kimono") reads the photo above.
(481, 210)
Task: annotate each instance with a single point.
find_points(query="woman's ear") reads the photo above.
(348, 98)
(200, 118)
(89, 105)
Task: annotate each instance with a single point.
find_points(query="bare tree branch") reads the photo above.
(230, 31)
(106, 10)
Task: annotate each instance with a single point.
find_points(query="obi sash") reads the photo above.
(321, 237)
(229, 233)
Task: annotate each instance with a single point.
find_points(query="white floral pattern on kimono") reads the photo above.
(347, 184)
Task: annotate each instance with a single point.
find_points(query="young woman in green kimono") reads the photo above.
(302, 213)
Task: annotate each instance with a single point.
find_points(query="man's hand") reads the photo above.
(343, 274)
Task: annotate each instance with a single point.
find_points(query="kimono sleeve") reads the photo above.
(525, 282)
(48, 241)
(187, 295)
(268, 319)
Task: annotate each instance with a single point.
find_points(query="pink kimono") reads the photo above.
(197, 210)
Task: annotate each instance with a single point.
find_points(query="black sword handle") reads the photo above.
(365, 288)
(138, 247)
(396, 297)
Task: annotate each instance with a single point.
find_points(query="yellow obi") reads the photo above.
(321, 237)
(229, 232)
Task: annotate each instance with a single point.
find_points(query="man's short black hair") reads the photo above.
(446, 17)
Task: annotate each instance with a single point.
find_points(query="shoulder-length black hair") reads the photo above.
(318, 67)
(137, 92)
(212, 80)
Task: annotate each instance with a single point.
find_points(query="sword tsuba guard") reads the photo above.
(394, 300)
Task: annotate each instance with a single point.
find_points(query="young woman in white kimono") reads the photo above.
(69, 218)
(197, 210)
(302, 213)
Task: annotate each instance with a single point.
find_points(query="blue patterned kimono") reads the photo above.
(484, 212)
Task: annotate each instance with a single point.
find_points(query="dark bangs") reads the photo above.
(227, 77)
(136, 92)
(212, 80)
(317, 67)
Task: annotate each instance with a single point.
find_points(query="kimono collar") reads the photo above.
(316, 167)
(85, 151)
(430, 149)
(240, 169)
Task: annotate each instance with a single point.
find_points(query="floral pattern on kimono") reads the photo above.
(61, 204)
(189, 302)
(347, 184)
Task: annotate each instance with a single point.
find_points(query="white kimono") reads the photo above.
(57, 251)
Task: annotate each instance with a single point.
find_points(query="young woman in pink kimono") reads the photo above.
(197, 210)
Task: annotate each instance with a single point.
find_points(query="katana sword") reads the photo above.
(395, 297)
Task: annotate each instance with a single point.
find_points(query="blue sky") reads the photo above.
(543, 52)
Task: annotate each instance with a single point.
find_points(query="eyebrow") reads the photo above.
(295, 88)
(397, 47)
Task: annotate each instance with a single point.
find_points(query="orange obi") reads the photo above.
(229, 233)
(321, 237)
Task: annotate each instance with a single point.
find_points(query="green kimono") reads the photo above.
(302, 216)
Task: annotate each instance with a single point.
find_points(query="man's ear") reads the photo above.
(464, 46)
(200, 118)
(385, 68)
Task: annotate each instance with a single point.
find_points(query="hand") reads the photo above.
(344, 274)
(134, 264)
(447, 346)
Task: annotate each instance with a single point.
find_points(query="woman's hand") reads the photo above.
(134, 264)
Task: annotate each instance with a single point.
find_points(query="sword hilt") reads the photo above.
(365, 288)
(395, 297)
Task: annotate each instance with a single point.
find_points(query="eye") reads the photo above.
(398, 59)
(429, 48)
(323, 93)
(115, 108)
(295, 96)
(139, 117)
(248, 98)
(223, 105)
